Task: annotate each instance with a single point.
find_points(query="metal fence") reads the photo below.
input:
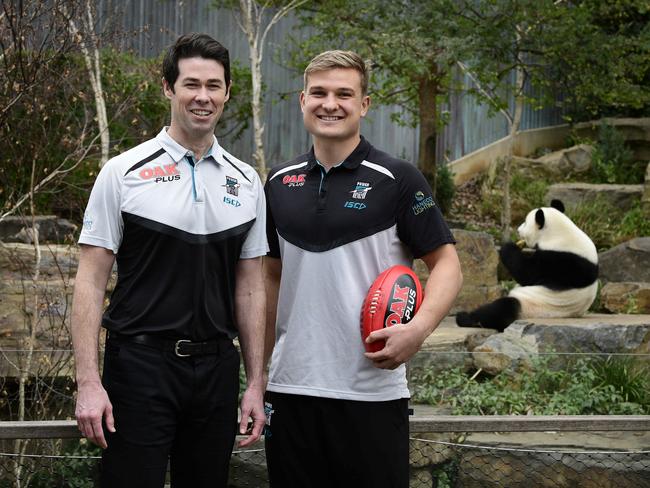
(446, 451)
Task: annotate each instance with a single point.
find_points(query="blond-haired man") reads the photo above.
(337, 217)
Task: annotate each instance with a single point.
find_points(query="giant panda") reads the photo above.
(558, 279)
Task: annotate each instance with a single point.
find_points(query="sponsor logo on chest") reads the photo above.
(160, 174)
(294, 180)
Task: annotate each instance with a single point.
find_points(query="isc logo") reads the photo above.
(232, 201)
(355, 205)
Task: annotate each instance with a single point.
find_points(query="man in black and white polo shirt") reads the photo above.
(185, 221)
(337, 217)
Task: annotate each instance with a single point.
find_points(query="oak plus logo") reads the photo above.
(294, 180)
(161, 174)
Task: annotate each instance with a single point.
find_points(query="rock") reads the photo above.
(479, 260)
(503, 351)
(545, 467)
(597, 333)
(556, 166)
(622, 197)
(424, 453)
(57, 261)
(448, 348)
(51, 229)
(626, 297)
(645, 199)
(629, 261)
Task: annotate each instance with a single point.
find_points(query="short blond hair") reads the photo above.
(340, 59)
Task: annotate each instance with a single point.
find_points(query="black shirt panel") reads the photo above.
(171, 283)
(369, 192)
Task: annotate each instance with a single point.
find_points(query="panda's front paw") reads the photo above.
(464, 319)
(508, 251)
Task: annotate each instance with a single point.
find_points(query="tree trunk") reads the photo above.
(258, 110)
(507, 167)
(428, 90)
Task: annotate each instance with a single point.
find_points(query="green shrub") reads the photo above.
(582, 387)
(612, 159)
(445, 188)
(79, 470)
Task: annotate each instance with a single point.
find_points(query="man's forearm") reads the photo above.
(250, 306)
(444, 283)
(87, 305)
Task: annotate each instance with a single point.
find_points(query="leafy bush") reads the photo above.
(445, 188)
(79, 470)
(582, 388)
(612, 159)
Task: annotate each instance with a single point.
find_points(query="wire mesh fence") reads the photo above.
(437, 460)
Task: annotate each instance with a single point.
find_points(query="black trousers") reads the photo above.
(168, 408)
(326, 443)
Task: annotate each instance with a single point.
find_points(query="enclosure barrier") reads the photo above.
(445, 451)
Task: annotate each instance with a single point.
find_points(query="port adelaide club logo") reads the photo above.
(359, 192)
(232, 188)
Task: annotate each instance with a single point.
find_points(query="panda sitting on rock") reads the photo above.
(558, 279)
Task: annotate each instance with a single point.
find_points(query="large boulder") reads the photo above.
(597, 333)
(622, 197)
(626, 297)
(57, 261)
(479, 259)
(503, 351)
(556, 166)
(51, 229)
(629, 261)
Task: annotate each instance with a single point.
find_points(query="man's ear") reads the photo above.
(365, 105)
(302, 100)
(228, 92)
(167, 90)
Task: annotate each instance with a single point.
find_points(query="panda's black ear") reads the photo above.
(557, 204)
(539, 217)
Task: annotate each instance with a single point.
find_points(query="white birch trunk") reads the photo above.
(93, 67)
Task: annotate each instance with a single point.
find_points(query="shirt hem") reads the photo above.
(395, 394)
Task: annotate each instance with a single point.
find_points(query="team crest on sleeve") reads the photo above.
(422, 202)
(232, 187)
(361, 190)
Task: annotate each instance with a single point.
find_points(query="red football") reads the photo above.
(393, 298)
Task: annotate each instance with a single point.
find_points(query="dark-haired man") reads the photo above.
(185, 221)
(338, 216)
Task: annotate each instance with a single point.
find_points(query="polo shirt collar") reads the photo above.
(178, 152)
(354, 159)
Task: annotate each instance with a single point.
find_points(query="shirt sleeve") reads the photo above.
(420, 224)
(255, 244)
(102, 224)
(271, 231)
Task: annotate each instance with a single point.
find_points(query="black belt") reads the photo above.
(181, 347)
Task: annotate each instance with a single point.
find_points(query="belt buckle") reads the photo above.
(176, 346)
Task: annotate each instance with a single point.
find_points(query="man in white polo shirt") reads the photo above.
(185, 221)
